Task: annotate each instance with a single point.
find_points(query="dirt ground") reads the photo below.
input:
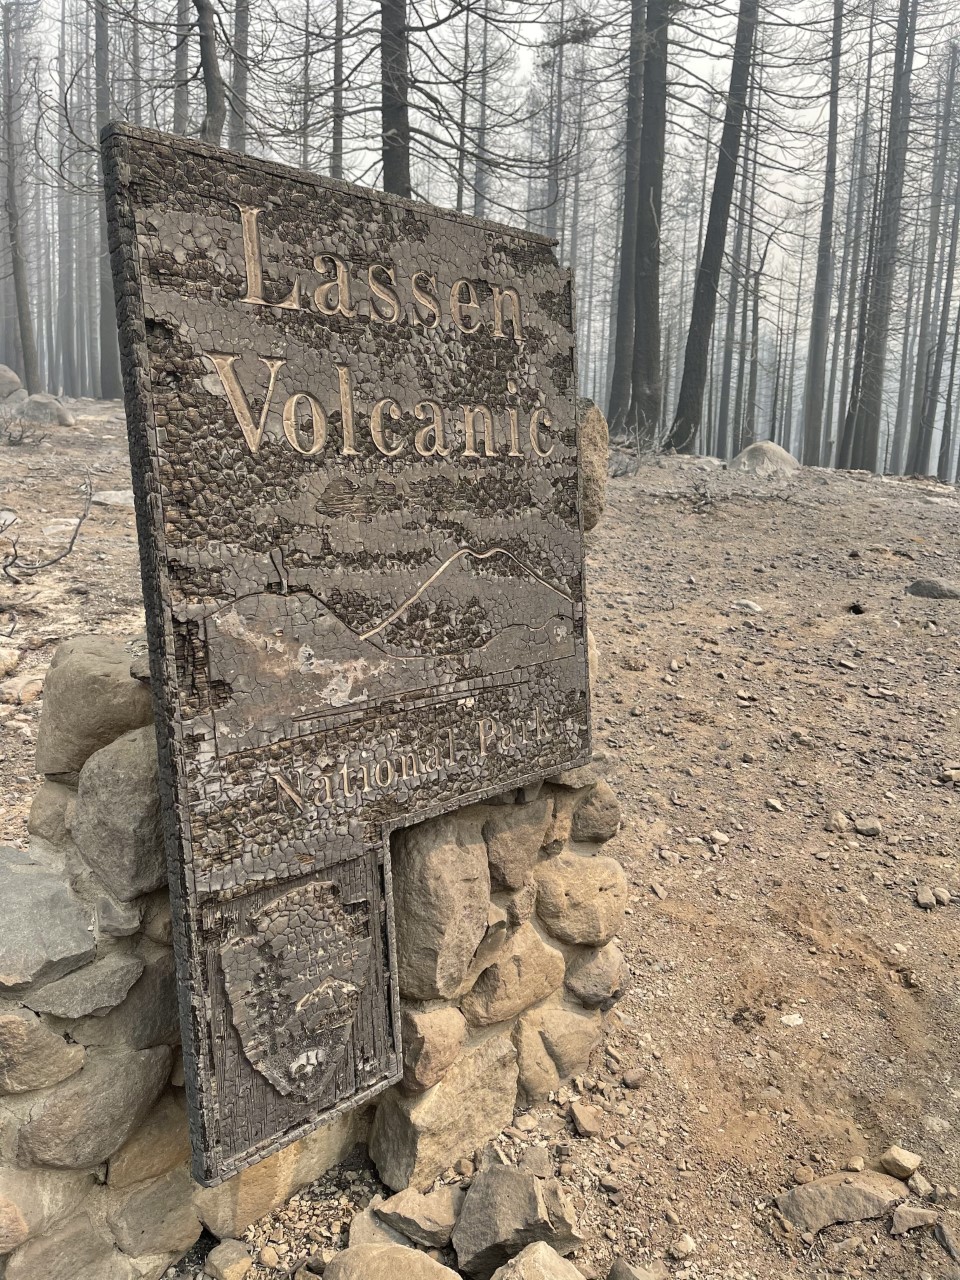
(790, 1005)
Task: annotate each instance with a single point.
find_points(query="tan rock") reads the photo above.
(90, 699)
(426, 1219)
(595, 978)
(366, 1228)
(48, 813)
(506, 1210)
(21, 689)
(33, 1201)
(526, 971)
(8, 658)
(415, 1138)
(441, 885)
(597, 817)
(228, 1209)
(514, 836)
(84, 1120)
(538, 1262)
(385, 1262)
(840, 1197)
(155, 1217)
(432, 1040)
(581, 900)
(31, 1056)
(79, 1249)
(161, 1143)
(594, 455)
(901, 1163)
(230, 1260)
(908, 1217)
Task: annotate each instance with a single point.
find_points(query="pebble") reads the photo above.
(683, 1247)
(633, 1079)
(269, 1257)
(855, 1165)
(773, 804)
(869, 826)
(920, 1186)
(587, 1120)
(926, 898)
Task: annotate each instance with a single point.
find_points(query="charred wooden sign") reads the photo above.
(354, 443)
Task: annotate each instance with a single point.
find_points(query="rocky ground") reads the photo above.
(780, 720)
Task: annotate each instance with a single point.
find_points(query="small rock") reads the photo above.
(926, 898)
(792, 1019)
(868, 826)
(803, 1174)
(385, 1262)
(623, 1270)
(113, 498)
(855, 1164)
(900, 1162)
(91, 990)
(269, 1257)
(683, 1247)
(22, 689)
(426, 1219)
(633, 1079)
(538, 1262)
(906, 1217)
(920, 1186)
(837, 821)
(228, 1261)
(773, 804)
(587, 1120)
(537, 1160)
(943, 896)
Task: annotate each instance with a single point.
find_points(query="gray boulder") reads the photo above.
(441, 887)
(89, 698)
(765, 460)
(46, 410)
(148, 1016)
(156, 1217)
(93, 989)
(507, 1209)
(31, 1056)
(117, 820)
(934, 589)
(9, 382)
(48, 813)
(47, 931)
(594, 455)
(86, 1119)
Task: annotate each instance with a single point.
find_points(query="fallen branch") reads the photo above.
(15, 568)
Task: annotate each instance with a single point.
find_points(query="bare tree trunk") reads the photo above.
(215, 112)
(733, 299)
(395, 94)
(136, 73)
(462, 123)
(921, 427)
(181, 69)
(838, 326)
(336, 146)
(814, 388)
(946, 444)
(932, 390)
(240, 78)
(305, 103)
(111, 387)
(619, 402)
(906, 357)
(11, 157)
(647, 374)
(690, 404)
(480, 165)
(66, 249)
(866, 426)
